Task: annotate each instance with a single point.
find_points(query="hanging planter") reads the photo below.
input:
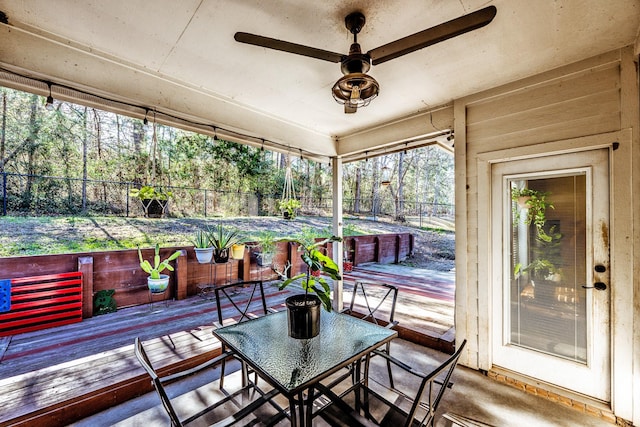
(289, 204)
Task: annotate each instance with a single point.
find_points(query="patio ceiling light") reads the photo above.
(49, 103)
(355, 90)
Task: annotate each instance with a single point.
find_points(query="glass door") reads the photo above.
(552, 314)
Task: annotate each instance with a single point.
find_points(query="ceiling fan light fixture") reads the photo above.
(355, 90)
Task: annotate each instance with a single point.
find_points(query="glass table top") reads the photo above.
(294, 363)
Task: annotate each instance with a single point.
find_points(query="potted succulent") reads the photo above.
(202, 246)
(222, 240)
(157, 282)
(154, 200)
(289, 207)
(303, 311)
(266, 247)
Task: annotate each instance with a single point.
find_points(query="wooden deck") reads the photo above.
(89, 366)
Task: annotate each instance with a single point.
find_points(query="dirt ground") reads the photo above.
(433, 250)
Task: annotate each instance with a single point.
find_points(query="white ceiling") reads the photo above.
(180, 56)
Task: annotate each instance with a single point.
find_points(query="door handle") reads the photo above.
(598, 285)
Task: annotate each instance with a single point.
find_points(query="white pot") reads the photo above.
(157, 286)
(264, 259)
(204, 255)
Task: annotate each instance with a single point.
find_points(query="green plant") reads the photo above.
(158, 266)
(546, 254)
(221, 238)
(315, 260)
(201, 240)
(266, 240)
(289, 206)
(149, 192)
(536, 204)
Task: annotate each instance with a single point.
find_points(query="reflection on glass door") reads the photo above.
(548, 265)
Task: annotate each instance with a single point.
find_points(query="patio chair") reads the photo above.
(375, 296)
(224, 403)
(362, 406)
(239, 302)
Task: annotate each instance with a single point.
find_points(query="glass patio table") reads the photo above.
(294, 366)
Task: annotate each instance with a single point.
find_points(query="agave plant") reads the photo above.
(221, 238)
(158, 266)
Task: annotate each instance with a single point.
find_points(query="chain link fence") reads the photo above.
(47, 195)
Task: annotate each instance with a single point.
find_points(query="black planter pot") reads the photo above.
(220, 256)
(303, 315)
(154, 208)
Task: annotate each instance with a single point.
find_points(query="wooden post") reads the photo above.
(181, 275)
(244, 266)
(85, 266)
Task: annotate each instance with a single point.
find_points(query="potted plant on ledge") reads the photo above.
(265, 248)
(303, 310)
(202, 247)
(222, 240)
(157, 282)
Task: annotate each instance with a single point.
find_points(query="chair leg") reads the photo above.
(222, 366)
(389, 367)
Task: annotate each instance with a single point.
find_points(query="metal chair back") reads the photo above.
(375, 297)
(241, 301)
(362, 406)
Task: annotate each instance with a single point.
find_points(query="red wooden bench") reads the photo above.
(40, 302)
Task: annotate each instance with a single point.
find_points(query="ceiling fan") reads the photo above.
(356, 88)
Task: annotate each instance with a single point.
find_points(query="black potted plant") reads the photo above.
(303, 310)
(154, 200)
(222, 240)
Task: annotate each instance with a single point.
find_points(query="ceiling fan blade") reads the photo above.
(433, 35)
(298, 49)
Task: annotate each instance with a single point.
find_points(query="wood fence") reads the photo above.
(120, 270)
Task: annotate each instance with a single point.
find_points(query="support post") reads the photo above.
(336, 163)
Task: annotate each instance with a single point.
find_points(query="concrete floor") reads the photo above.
(473, 395)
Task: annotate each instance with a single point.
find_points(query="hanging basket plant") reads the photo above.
(536, 204)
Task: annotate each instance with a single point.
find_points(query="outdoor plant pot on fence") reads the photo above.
(157, 282)
(222, 240)
(303, 311)
(202, 247)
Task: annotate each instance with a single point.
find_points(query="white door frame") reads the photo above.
(621, 226)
